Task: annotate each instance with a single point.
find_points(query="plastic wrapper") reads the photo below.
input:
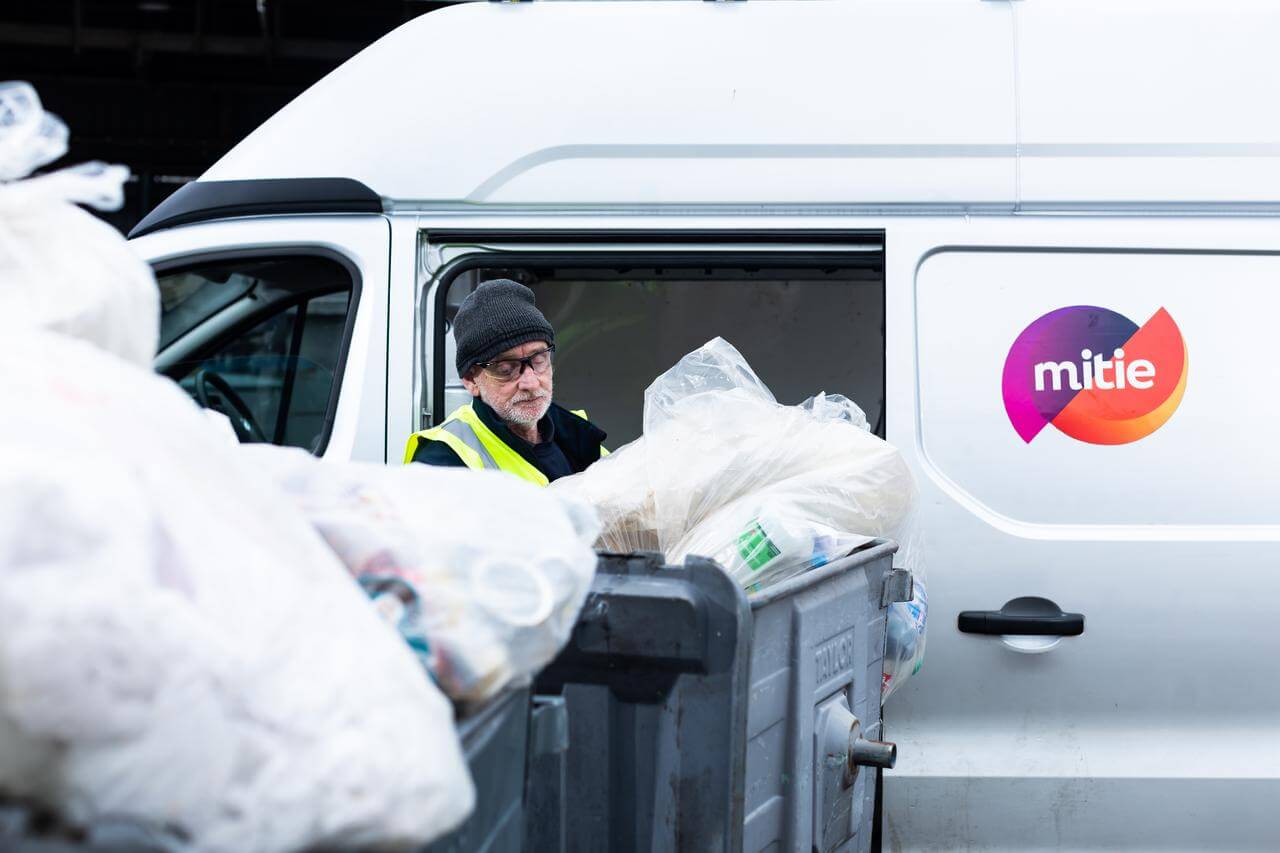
(723, 470)
(905, 639)
(481, 573)
(178, 647)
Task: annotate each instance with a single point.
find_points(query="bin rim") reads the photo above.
(472, 716)
(873, 550)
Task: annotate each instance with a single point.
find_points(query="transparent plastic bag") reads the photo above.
(836, 407)
(905, 638)
(762, 539)
(481, 573)
(722, 468)
(768, 491)
(618, 490)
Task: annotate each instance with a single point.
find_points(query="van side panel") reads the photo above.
(1147, 102)
(1167, 543)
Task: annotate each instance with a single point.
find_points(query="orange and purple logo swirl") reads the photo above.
(1095, 375)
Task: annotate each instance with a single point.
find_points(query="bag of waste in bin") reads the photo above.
(177, 645)
(482, 573)
(724, 470)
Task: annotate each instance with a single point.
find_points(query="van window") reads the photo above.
(190, 297)
(260, 340)
(803, 329)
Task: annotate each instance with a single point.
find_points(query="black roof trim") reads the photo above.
(681, 236)
(201, 201)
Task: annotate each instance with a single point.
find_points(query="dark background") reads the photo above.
(166, 87)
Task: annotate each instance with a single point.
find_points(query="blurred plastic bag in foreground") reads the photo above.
(178, 645)
(482, 573)
(61, 268)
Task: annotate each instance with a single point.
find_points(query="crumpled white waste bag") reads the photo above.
(177, 645)
(723, 470)
(768, 491)
(482, 573)
(176, 642)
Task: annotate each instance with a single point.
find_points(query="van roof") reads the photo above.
(1049, 104)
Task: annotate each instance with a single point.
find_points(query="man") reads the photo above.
(504, 356)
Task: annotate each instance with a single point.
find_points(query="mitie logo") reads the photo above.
(1095, 375)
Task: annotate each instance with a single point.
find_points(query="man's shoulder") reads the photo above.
(577, 429)
(437, 453)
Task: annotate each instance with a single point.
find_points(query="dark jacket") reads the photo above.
(569, 443)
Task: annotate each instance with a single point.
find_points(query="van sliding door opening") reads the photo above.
(806, 324)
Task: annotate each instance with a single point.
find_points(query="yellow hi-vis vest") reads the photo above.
(478, 446)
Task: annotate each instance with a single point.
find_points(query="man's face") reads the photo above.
(523, 399)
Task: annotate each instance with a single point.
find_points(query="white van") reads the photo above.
(1038, 241)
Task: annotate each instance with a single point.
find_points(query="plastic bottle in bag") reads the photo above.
(770, 545)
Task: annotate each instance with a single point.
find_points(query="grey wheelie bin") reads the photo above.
(506, 743)
(701, 718)
(494, 740)
(500, 740)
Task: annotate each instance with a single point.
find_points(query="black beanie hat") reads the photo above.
(495, 317)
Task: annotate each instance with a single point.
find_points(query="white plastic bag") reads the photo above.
(617, 487)
(482, 574)
(29, 137)
(768, 491)
(61, 268)
(724, 470)
(178, 645)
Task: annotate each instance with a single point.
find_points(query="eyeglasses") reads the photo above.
(507, 369)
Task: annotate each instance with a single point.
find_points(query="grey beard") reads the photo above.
(510, 414)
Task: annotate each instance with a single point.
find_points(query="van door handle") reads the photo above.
(1028, 616)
